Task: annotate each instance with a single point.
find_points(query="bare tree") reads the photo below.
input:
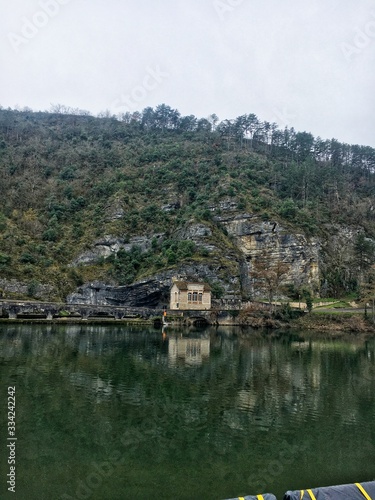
(269, 277)
(367, 290)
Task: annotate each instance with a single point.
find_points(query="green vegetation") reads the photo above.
(125, 266)
(65, 177)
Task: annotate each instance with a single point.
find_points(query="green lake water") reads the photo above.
(110, 412)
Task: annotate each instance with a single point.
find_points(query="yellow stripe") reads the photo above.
(363, 491)
(260, 497)
(302, 493)
(241, 498)
(312, 496)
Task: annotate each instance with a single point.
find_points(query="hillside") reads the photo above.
(155, 194)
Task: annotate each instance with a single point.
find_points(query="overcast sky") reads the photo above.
(303, 63)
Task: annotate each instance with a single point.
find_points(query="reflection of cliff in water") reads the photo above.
(253, 380)
(226, 400)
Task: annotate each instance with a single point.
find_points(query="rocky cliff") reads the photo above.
(110, 245)
(270, 243)
(230, 258)
(149, 292)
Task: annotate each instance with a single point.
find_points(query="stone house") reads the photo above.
(190, 296)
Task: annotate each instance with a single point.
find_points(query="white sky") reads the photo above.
(303, 63)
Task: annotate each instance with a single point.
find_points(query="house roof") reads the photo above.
(183, 285)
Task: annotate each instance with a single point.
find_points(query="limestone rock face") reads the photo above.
(145, 293)
(228, 205)
(231, 266)
(170, 207)
(149, 292)
(268, 242)
(194, 231)
(116, 213)
(41, 292)
(110, 245)
(197, 232)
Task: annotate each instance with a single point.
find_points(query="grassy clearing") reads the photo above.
(333, 312)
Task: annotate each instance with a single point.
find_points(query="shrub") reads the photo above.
(32, 288)
(3, 222)
(50, 235)
(27, 258)
(217, 290)
(5, 259)
(171, 256)
(288, 209)
(186, 248)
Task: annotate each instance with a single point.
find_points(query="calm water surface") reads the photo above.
(112, 413)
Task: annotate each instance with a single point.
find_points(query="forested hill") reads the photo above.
(69, 179)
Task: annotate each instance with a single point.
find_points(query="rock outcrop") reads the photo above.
(229, 264)
(110, 245)
(40, 291)
(149, 292)
(270, 243)
(197, 232)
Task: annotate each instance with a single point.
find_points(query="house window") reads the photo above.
(176, 296)
(195, 297)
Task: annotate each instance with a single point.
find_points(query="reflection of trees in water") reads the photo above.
(245, 395)
(260, 375)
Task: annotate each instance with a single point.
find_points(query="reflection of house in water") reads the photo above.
(192, 351)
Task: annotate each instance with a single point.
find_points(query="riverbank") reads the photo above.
(79, 321)
(345, 322)
(287, 318)
(254, 318)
